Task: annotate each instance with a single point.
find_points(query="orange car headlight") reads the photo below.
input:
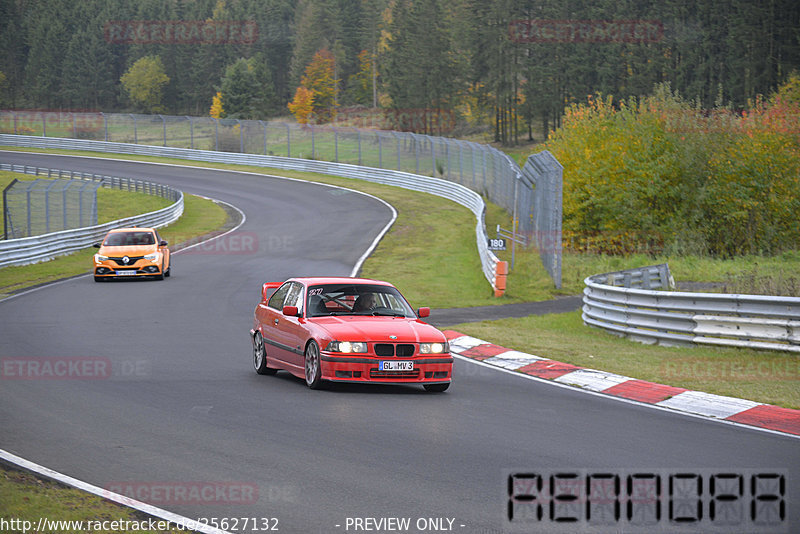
(99, 258)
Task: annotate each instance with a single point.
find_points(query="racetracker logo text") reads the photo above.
(585, 31)
(175, 493)
(181, 32)
(79, 368)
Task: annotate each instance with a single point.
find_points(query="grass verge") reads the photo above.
(26, 497)
(764, 376)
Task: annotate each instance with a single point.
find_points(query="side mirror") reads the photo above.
(163, 243)
(423, 312)
(290, 311)
(96, 245)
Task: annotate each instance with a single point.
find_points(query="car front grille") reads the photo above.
(131, 260)
(401, 350)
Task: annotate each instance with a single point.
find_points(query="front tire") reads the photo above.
(313, 367)
(436, 388)
(260, 356)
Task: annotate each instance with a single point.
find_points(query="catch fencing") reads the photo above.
(632, 304)
(481, 168)
(543, 174)
(42, 206)
(36, 248)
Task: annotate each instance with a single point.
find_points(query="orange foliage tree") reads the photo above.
(321, 82)
(303, 105)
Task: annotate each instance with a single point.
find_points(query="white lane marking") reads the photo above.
(513, 359)
(592, 379)
(465, 342)
(708, 404)
(183, 522)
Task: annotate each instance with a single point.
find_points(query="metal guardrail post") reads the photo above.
(5, 207)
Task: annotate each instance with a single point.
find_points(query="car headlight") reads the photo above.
(100, 258)
(347, 346)
(433, 348)
(151, 257)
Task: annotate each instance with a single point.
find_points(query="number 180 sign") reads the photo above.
(497, 243)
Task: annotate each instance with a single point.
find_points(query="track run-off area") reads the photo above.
(175, 407)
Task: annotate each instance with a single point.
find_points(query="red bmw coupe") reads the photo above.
(347, 330)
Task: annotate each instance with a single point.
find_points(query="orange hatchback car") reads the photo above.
(132, 253)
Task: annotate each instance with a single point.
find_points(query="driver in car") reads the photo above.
(364, 303)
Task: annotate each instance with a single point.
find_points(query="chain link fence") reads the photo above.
(482, 168)
(42, 206)
(64, 200)
(545, 173)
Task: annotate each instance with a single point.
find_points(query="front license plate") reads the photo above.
(126, 273)
(396, 366)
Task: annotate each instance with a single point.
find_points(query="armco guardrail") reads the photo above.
(44, 247)
(493, 269)
(641, 312)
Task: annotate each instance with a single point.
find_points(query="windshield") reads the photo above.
(356, 299)
(122, 239)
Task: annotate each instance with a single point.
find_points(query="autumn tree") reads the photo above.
(216, 111)
(144, 82)
(303, 105)
(320, 81)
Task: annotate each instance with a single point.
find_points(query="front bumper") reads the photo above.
(433, 369)
(140, 268)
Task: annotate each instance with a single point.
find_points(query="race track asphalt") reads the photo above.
(183, 407)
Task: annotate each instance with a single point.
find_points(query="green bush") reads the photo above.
(657, 175)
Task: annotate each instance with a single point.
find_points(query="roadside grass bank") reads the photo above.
(27, 497)
(771, 377)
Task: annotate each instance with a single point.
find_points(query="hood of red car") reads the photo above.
(379, 329)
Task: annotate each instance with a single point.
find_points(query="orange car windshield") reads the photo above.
(124, 239)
